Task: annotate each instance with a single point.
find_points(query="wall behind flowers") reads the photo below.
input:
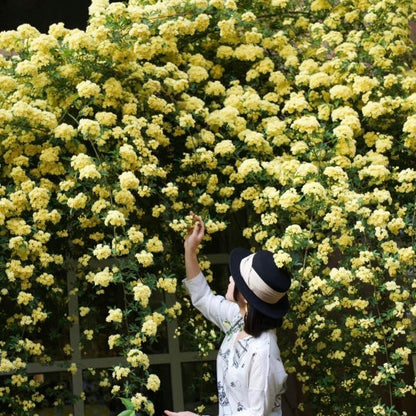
(300, 119)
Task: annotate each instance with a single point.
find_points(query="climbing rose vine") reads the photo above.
(297, 116)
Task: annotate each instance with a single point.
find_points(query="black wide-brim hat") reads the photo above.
(260, 281)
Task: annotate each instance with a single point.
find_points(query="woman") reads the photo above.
(250, 374)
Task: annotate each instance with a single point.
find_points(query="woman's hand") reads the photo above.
(169, 413)
(195, 233)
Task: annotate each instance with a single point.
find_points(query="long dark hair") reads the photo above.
(256, 322)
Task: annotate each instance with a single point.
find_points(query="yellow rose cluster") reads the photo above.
(296, 117)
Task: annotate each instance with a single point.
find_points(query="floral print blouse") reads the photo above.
(250, 374)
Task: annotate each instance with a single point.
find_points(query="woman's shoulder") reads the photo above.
(266, 344)
(268, 337)
(265, 356)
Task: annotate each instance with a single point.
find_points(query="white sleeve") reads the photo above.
(215, 308)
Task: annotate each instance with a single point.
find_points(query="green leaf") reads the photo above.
(127, 413)
(129, 405)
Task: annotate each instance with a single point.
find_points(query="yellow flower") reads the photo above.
(128, 155)
(66, 185)
(225, 147)
(153, 382)
(23, 298)
(221, 208)
(142, 294)
(46, 279)
(136, 357)
(342, 92)
(154, 245)
(248, 52)
(72, 368)
(269, 218)
(170, 190)
(113, 88)
(254, 37)
(197, 73)
(80, 161)
(200, 408)
(407, 255)
(88, 89)
(404, 353)
(115, 218)
(102, 251)
(374, 109)
(120, 246)
(363, 84)
(18, 379)
(206, 199)
(341, 275)
(113, 340)
(379, 218)
(337, 355)
(214, 88)
(319, 79)
(106, 118)
(78, 202)
(317, 5)
(135, 235)
(128, 180)
(249, 166)
(114, 315)
(343, 132)
(103, 278)
(160, 104)
(289, 198)
(89, 333)
(377, 173)
(149, 327)
(174, 311)
(39, 198)
(120, 372)
(84, 310)
(8, 84)
(167, 284)
(18, 226)
(89, 127)
(138, 400)
(99, 205)
(410, 126)
(255, 140)
(125, 197)
(296, 103)
(282, 258)
(89, 172)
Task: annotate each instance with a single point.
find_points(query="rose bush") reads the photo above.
(300, 115)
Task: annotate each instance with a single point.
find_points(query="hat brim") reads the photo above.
(273, 310)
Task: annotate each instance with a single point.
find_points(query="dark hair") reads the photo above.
(255, 322)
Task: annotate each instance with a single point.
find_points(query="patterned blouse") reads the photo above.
(250, 374)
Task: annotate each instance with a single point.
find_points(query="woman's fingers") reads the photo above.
(195, 234)
(195, 217)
